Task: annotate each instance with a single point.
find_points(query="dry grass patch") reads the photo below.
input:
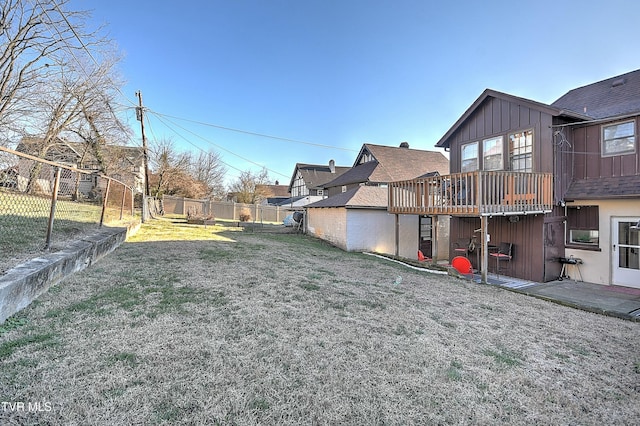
(227, 327)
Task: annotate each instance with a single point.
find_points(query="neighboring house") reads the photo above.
(273, 194)
(354, 216)
(376, 165)
(123, 163)
(554, 181)
(357, 220)
(307, 182)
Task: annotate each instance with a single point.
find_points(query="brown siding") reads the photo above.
(585, 153)
(500, 117)
(526, 235)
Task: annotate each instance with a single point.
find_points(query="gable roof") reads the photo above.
(552, 110)
(356, 174)
(359, 197)
(390, 164)
(316, 175)
(612, 97)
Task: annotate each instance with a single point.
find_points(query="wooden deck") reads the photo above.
(478, 193)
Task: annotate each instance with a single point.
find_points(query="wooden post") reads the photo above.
(485, 248)
(434, 239)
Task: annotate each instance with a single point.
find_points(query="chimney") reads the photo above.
(332, 166)
(277, 183)
(404, 145)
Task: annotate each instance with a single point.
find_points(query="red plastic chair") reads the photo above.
(462, 265)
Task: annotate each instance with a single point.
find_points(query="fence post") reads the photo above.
(132, 206)
(54, 199)
(124, 195)
(104, 202)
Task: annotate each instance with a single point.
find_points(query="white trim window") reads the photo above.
(619, 139)
(521, 151)
(492, 154)
(469, 157)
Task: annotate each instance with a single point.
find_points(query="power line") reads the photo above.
(199, 148)
(247, 132)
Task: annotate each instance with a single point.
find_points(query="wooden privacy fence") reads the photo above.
(223, 209)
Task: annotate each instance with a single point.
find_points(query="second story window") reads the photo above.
(492, 153)
(469, 157)
(521, 151)
(618, 139)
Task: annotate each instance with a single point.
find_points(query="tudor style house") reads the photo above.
(307, 182)
(544, 182)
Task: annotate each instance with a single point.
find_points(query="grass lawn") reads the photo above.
(24, 220)
(191, 325)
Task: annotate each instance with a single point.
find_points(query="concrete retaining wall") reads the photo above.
(24, 283)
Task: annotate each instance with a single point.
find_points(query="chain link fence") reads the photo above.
(44, 205)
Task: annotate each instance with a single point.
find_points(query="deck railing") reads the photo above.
(479, 193)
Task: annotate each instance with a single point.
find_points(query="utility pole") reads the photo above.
(140, 117)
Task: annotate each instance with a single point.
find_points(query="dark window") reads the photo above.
(583, 225)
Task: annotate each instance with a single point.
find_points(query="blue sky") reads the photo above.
(343, 73)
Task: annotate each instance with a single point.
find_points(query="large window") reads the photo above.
(469, 157)
(582, 226)
(619, 139)
(521, 151)
(492, 154)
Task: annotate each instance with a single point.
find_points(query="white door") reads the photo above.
(626, 252)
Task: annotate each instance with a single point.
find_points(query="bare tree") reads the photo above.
(34, 38)
(170, 169)
(209, 169)
(249, 187)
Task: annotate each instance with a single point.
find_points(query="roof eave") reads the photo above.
(444, 141)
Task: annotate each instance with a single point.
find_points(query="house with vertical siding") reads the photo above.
(552, 182)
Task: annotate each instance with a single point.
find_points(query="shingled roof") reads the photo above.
(315, 175)
(612, 97)
(357, 197)
(605, 187)
(390, 164)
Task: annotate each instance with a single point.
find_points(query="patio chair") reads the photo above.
(502, 255)
(461, 247)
